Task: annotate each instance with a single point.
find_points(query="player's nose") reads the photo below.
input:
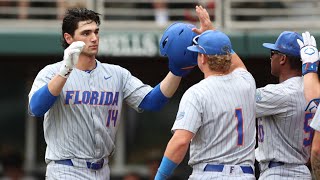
(94, 37)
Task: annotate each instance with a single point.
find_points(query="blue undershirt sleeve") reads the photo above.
(41, 101)
(154, 100)
(166, 169)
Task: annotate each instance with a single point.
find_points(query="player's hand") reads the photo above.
(71, 54)
(204, 18)
(308, 48)
(70, 58)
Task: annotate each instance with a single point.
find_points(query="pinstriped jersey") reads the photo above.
(219, 110)
(83, 121)
(283, 131)
(315, 123)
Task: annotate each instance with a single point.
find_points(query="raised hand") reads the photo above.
(70, 58)
(308, 48)
(204, 18)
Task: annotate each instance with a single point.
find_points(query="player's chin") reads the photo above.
(92, 52)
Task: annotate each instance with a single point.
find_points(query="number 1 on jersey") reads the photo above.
(239, 117)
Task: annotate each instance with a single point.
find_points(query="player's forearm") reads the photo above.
(170, 84)
(311, 86)
(174, 154)
(315, 154)
(176, 151)
(178, 145)
(236, 62)
(315, 163)
(56, 84)
(154, 100)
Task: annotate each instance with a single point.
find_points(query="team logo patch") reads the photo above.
(180, 115)
(309, 51)
(226, 49)
(258, 96)
(49, 76)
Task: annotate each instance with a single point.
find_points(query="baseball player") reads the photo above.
(284, 134)
(310, 63)
(81, 99)
(216, 116)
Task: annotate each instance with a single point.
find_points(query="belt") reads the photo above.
(91, 165)
(219, 168)
(275, 164)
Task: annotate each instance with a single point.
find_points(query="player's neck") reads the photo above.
(86, 63)
(287, 75)
(214, 73)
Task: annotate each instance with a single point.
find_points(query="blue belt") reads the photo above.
(275, 164)
(219, 168)
(91, 165)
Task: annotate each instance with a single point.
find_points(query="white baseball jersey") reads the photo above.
(315, 123)
(59, 171)
(83, 121)
(219, 110)
(284, 134)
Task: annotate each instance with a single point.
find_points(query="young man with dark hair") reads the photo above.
(81, 100)
(284, 135)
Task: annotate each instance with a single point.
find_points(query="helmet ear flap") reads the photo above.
(174, 43)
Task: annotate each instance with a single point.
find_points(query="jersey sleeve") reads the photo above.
(43, 78)
(244, 74)
(189, 113)
(270, 100)
(134, 90)
(315, 123)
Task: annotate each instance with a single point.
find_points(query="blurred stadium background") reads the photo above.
(130, 30)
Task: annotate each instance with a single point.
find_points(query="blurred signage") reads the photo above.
(130, 44)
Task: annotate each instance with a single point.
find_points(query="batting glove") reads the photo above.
(70, 58)
(308, 48)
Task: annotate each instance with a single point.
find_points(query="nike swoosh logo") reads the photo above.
(107, 77)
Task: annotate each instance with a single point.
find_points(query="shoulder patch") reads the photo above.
(49, 76)
(258, 96)
(180, 115)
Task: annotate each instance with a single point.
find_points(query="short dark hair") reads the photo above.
(73, 17)
(295, 62)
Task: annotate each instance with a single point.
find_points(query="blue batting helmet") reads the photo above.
(174, 42)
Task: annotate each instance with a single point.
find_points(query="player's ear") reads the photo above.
(68, 38)
(203, 58)
(283, 60)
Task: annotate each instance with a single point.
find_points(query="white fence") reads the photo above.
(157, 14)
